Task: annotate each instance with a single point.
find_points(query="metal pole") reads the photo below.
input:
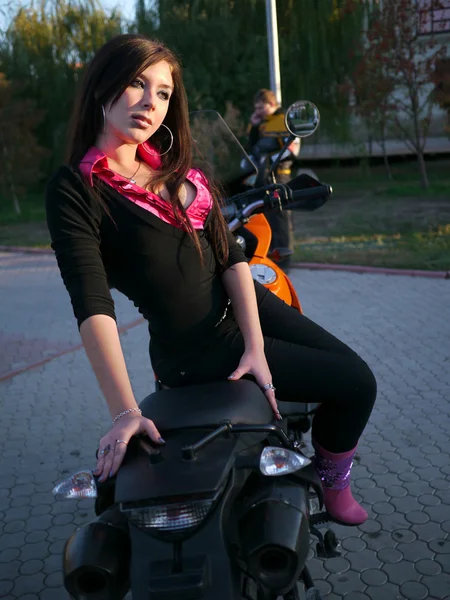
(272, 37)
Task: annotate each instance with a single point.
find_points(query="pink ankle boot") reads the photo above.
(334, 471)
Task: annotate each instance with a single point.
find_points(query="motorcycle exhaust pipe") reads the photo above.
(96, 562)
(274, 535)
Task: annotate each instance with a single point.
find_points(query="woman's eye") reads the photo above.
(138, 83)
(164, 95)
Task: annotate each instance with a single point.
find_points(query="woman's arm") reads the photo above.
(74, 223)
(239, 284)
(102, 344)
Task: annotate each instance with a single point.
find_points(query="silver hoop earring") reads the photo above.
(171, 139)
(104, 118)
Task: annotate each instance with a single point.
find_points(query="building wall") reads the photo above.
(432, 24)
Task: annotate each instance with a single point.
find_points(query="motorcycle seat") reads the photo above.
(208, 405)
(297, 409)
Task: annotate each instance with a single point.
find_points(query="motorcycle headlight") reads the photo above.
(263, 274)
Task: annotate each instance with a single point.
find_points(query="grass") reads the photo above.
(373, 221)
(32, 206)
(373, 179)
(28, 228)
(420, 250)
(413, 189)
(368, 221)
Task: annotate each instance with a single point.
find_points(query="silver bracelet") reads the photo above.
(126, 412)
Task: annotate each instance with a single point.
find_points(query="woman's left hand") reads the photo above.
(254, 362)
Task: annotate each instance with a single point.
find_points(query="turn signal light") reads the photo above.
(276, 461)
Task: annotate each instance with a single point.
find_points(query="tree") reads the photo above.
(368, 93)
(316, 56)
(45, 50)
(20, 153)
(369, 90)
(406, 59)
(442, 82)
(223, 47)
(221, 43)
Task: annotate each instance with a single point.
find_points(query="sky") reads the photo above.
(126, 6)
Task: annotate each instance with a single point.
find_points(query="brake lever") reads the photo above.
(279, 198)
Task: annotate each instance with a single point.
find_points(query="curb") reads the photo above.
(374, 270)
(26, 250)
(39, 363)
(298, 265)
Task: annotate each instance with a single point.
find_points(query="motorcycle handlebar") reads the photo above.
(229, 211)
(244, 214)
(240, 207)
(309, 198)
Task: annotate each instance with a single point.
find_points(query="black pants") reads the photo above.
(280, 221)
(282, 233)
(307, 363)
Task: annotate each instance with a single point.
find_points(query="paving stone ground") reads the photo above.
(36, 320)
(52, 416)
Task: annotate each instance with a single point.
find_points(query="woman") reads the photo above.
(134, 215)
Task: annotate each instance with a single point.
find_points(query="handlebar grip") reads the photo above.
(312, 193)
(309, 199)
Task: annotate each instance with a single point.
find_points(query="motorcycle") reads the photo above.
(240, 174)
(225, 509)
(264, 153)
(247, 210)
(267, 150)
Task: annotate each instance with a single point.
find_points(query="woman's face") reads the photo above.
(142, 107)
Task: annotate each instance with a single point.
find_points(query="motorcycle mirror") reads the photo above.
(302, 118)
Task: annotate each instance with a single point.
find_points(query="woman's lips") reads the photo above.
(141, 122)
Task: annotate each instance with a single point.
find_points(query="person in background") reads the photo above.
(266, 135)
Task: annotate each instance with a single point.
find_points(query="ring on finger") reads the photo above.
(106, 450)
(269, 386)
(121, 442)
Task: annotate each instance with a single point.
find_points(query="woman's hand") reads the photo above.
(254, 362)
(113, 445)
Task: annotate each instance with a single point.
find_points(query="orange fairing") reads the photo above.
(259, 226)
(295, 301)
(280, 286)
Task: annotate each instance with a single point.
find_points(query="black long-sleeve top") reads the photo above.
(110, 242)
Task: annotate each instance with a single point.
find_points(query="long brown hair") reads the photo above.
(113, 68)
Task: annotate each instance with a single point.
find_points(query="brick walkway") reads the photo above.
(36, 318)
(52, 417)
